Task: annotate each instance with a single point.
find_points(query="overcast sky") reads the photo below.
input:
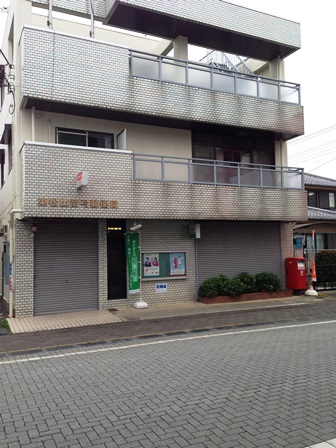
(313, 67)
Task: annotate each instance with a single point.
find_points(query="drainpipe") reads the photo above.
(196, 268)
(92, 20)
(33, 123)
(11, 255)
(49, 23)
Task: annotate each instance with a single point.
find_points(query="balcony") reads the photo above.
(117, 84)
(125, 185)
(168, 69)
(215, 172)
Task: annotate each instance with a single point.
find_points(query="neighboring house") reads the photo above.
(186, 149)
(321, 193)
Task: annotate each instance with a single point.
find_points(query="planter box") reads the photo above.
(245, 297)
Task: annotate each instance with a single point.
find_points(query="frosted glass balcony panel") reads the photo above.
(148, 169)
(249, 177)
(271, 178)
(292, 180)
(223, 82)
(203, 173)
(289, 94)
(269, 91)
(173, 72)
(175, 172)
(246, 87)
(145, 68)
(227, 175)
(199, 78)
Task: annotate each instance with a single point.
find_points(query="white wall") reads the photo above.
(143, 139)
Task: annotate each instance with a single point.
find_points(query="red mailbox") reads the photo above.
(296, 273)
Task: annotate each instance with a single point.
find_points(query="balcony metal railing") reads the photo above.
(215, 172)
(168, 69)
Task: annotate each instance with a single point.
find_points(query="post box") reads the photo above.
(296, 273)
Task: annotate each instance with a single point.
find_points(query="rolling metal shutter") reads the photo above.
(65, 266)
(233, 247)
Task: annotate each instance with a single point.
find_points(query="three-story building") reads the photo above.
(102, 129)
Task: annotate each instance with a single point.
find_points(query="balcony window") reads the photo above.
(84, 138)
(233, 147)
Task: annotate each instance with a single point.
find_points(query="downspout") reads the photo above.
(33, 123)
(92, 19)
(196, 267)
(11, 256)
(49, 23)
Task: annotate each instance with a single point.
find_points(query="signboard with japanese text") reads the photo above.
(133, 261)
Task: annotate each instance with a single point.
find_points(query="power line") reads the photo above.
(313, 152)
(312, 156)
(317, 156)
(313, 135)
(321, 165)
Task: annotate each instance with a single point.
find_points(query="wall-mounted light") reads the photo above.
(136, 227)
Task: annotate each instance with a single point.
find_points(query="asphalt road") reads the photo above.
(268, 385)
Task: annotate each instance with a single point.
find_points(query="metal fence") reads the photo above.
(326, 277)
(215, 172)
(168, 69)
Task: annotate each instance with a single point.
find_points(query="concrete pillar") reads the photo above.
(281, 157)
(180, 45)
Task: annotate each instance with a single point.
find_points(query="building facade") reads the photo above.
(108, 122)
(321, 193)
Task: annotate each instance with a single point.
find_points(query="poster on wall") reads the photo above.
(151, 265)
(177, 263)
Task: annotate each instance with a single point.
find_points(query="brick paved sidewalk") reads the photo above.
(325, 308)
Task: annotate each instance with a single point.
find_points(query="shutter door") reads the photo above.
(233, 247)
(65, 266)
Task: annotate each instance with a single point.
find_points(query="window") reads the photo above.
(6, 139)
(322, 199)
(312, 199)
(2, 167)
(2, 85)
(327, 199)
(84, 138)
(234, 146)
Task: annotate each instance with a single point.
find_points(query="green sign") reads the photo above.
(133, 262)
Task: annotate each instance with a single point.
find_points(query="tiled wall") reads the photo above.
(217, 13)
(55, 65)
(156, 236)
(161, 236)
(49, 174)
(224, 15)
(23, 269)
(78, 7)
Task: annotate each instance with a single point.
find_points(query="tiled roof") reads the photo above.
(310, 179)
(320, 214)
